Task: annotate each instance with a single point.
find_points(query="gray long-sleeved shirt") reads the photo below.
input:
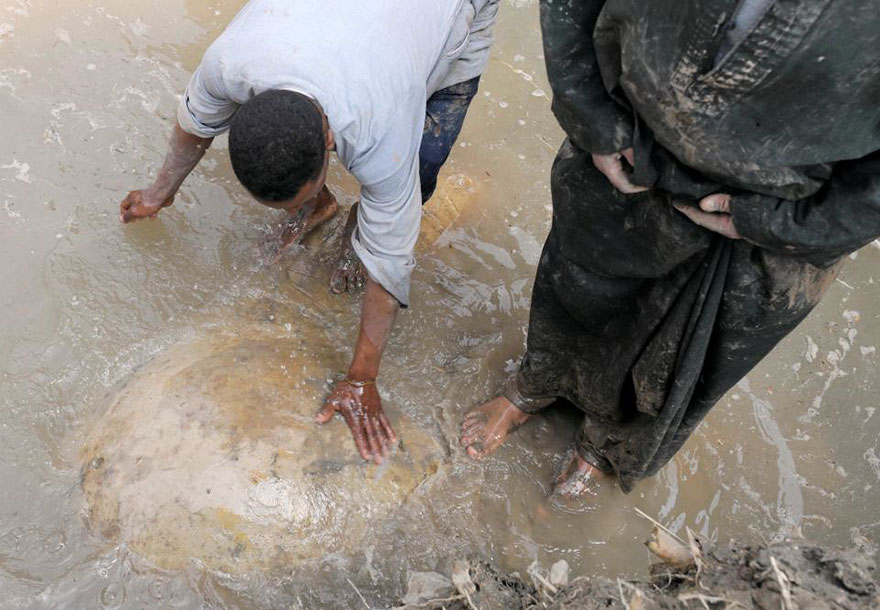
(372, 66)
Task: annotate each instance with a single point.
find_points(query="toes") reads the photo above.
(337, 282)
(470, 421)
(472, 418)
(563, 490)
(470, 425)
(474, 452)
(572, 488)
(468, 438)
(471, 434)
(360, 279)
(576, 479)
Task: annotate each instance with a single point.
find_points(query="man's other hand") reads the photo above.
(137, 205)
(714, 214)
(361, 408)
(612, 166)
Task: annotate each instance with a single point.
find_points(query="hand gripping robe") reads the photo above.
(640, 317)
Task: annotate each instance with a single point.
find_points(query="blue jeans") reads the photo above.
(444, 116)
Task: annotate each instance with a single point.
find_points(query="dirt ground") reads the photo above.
(784, 576)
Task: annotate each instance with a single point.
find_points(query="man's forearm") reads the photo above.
(378, 312)
(837, 220)
(582, 105)
(184, 153)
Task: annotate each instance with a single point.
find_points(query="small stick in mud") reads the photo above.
(697, 552)
(784, 584)
(659, 525)
(710, 599)
(366, 605)
(431, 603)
(638, 597)
(461, 578)
(534, 571)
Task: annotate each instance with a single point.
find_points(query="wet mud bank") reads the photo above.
(786, 576)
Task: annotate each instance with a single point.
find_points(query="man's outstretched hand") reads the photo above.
(137, 205)
(361, 408)
(357, 397)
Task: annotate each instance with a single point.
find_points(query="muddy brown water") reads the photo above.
(88, 91)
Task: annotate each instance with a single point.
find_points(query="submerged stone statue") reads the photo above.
(210, 452)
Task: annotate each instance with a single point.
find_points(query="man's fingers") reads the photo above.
(326, 413)
(383, 436)
(629, 155)
(134, 208)
(704, 219)
(281, 251)
(357, 431)
(717, 222)
(138, 211)
(124, 208)
(293, 229)
(376, 447)
(620, 181)
(611, 166)
(386, 425)
(719, 202)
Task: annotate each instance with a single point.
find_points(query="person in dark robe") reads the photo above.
(722, 157)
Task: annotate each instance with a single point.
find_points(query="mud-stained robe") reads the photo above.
(640, 317)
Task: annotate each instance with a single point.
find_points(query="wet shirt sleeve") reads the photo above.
(205, 109)
(586, 111)
(389, 215)
(481, 36)
(839, 219)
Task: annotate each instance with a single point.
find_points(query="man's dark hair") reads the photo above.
(276, 144)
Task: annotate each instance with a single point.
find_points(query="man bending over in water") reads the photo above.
(752, 132)
(384, 84)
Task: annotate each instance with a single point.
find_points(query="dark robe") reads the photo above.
(640, 317)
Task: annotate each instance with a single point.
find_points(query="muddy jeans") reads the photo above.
(444, 116)
(643, 319)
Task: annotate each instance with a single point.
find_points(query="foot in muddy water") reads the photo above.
(578, 477)
(486, 427)
(298, 225)
(348, 274)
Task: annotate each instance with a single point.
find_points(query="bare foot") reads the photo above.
(348, 274)
(312, 214)
(486, 427)
(578, 477)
